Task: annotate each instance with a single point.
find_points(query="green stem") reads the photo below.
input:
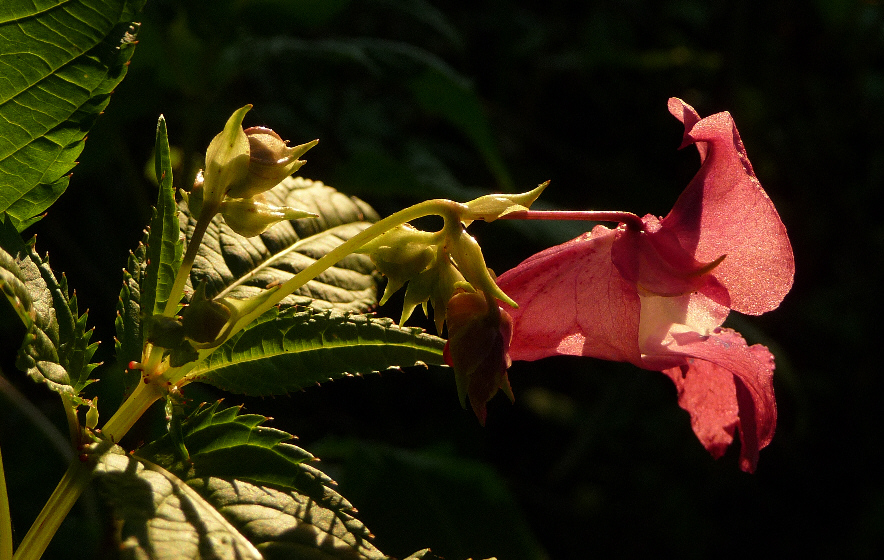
(70, 412)
(448, 209)
(5, 519)
(193, 246)
(56, 509)
(144, 395)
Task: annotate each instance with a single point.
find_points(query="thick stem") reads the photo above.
(144, 395)
(70, 412)
(5, 519)
(631, 220)
(56, 509)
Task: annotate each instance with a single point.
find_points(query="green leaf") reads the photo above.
(247, 473)
(289, 247)
(164, 245)
(56, 349)
(13, 286)
(162, 517)
(297, 348)
(128, 341)
(60, 61)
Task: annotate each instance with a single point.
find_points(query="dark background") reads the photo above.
(412, 100)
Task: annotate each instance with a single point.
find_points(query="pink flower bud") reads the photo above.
(478, 349)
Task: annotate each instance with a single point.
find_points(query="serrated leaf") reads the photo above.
(128, 341)
(12, 284)
(60, 61)
(163, 518)
(164, 244)
(262, 261)
(261, 485)
(298, 348)
(229, 444)
(56, 349)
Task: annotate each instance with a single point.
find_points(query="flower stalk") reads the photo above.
(631, 220)
(177, 292)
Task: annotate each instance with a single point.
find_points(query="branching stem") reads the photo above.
(144, 395)
(449, 210)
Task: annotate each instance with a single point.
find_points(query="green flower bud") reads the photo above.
(270, 161)
(253, 216)
(92, 414)
(165, 332)
(204, 318)
(436, 285)
(401, 254)
(227, 160)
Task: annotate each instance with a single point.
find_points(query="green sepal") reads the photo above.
(253, 216)
(467, 254)
(227, 160)
(436, 285)
(492, 206)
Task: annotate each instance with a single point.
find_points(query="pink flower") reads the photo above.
(657, 296)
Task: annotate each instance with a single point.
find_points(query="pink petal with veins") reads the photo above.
(724, 211)
(573, 301)
(726, 384)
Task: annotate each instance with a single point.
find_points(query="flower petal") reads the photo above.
(726, 384)
(725, 211)
(573, 301)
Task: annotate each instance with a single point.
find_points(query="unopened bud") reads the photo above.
(227, 160)
(204, 318)
(401, 254)
(253, 216)
(479, 337)
(270, 161)
(92, 414)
